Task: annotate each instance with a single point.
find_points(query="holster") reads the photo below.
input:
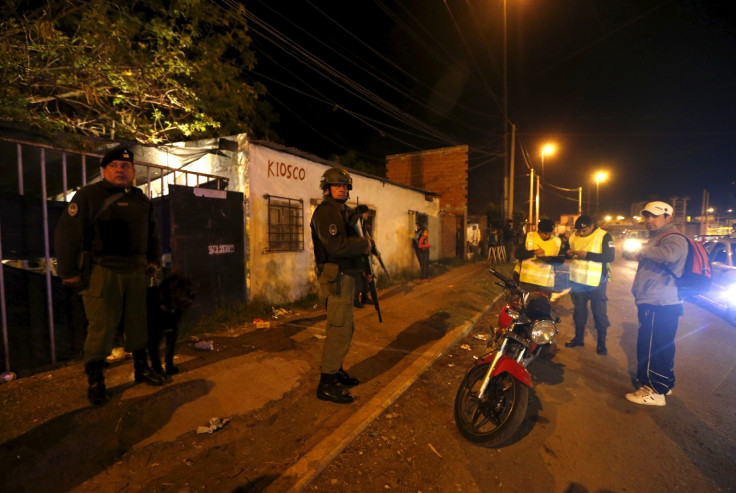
(330, 280)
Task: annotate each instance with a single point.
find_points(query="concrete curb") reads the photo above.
(304, 471)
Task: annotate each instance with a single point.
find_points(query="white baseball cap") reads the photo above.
(657, 208)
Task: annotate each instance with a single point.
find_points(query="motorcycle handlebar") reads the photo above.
(507, 283)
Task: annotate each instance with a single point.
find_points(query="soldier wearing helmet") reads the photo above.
(338, 254)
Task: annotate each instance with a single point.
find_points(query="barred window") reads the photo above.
(285, 224)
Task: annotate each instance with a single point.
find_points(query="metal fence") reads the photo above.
(37, 181)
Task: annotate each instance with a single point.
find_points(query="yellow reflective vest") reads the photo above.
(532, 271)
(584, 271)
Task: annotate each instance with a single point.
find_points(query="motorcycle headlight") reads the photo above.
(543, 331)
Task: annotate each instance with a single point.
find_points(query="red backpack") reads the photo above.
(697, 276)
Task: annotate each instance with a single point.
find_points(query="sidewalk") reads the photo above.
(279, 436)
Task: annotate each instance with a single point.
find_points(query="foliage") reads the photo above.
(145, 70)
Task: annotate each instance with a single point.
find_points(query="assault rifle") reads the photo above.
(380, 261)
(369, 268)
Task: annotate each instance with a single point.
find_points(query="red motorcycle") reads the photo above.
(492, 400)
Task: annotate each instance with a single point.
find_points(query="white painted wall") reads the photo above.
(257, 170)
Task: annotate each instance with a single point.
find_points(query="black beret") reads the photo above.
(119, 153)
(583, 222)
(546, 225)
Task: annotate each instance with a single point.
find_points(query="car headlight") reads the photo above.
(632, 245)
(730, 295)
(543, 331)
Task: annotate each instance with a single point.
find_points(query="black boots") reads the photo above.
(579, 338)
(331, 389)
(601, 349)
(345, 379)
(144, 373)
(97, 392)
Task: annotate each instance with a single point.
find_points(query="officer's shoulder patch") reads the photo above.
(333, 229)
(73, 209)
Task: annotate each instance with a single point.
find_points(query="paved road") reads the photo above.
(584, 437)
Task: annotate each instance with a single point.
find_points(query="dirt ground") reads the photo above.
(579, 436)
(138, 441)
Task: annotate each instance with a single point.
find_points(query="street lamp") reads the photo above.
(548, 149)
(599, 177)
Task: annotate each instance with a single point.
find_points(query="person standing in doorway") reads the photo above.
(339, 253)
(424, 254)
(661, 262)
(113, 222)
(591, 250)
(418, 230)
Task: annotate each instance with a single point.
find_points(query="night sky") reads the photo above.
(643, 89)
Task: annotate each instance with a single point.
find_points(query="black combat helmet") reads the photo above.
(335, 176)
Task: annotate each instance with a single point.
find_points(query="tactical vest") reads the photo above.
(532, 271)
(583, 271)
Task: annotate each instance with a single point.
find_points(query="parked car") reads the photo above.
(722, 294)
(633, 240)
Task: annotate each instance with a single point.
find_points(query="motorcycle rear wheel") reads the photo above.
(495, 418)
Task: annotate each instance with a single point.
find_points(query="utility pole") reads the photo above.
(507, 184)
(531, 198)
(511, 171)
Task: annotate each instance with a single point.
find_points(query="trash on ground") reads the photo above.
(465, 346)
(481, 337)
(261, 324)
(205, 345)
(215, 424)
(277, 312)
(434, 450)
(7, 376)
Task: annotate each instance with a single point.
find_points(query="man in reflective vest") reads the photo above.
(591, 250)
(539, 251)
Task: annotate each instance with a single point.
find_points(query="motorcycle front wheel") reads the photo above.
(493, 419)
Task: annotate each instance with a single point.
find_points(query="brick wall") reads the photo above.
(443, 171)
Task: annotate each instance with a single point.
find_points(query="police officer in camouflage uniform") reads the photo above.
(339, 255)
(114, 222)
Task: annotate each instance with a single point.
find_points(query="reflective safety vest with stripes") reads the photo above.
(532, 271)
(583, 271)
